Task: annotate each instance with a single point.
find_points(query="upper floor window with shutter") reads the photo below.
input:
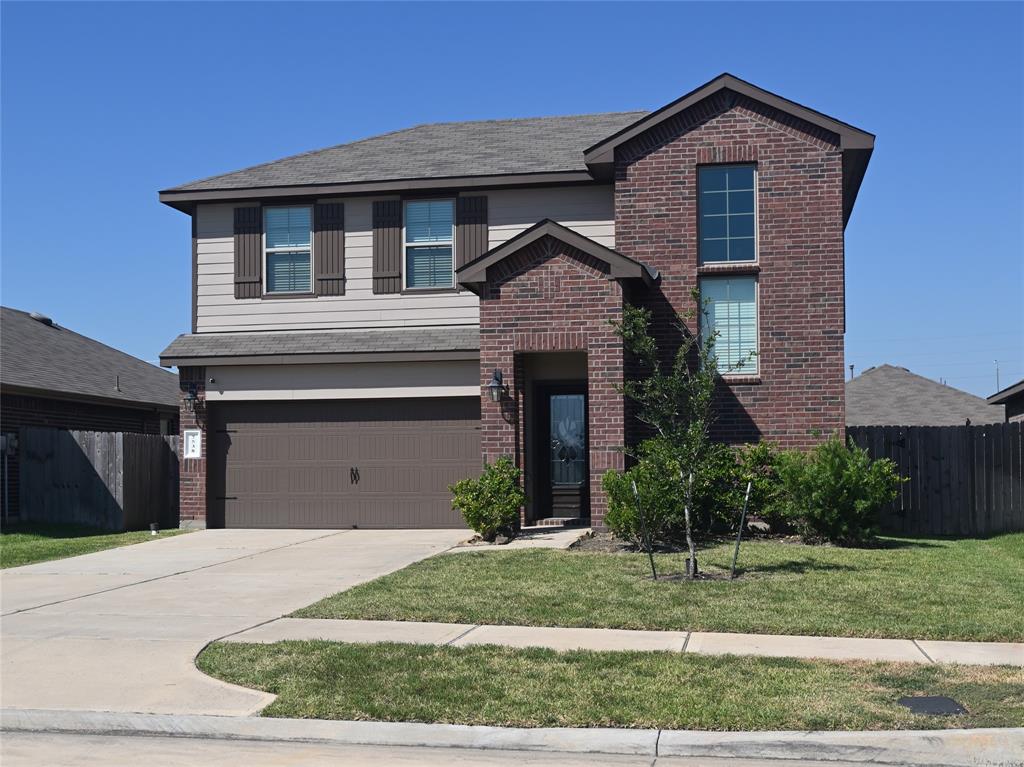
(429, 242)
(728, 226)
(287, 234)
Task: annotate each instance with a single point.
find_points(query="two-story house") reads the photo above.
(373, 320)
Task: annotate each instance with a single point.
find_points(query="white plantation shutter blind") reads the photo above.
(732, 315)
(287, 234)
(288, 227)
(429, 241)
(288, 272)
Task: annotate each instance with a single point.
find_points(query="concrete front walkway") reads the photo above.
(118, 630)
(705, 643)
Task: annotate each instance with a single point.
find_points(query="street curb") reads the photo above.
(606, 741)
(952, 748)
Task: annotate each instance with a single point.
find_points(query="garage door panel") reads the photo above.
(289, 464)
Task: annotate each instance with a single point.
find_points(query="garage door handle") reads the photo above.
(353, 475)
(227, 497)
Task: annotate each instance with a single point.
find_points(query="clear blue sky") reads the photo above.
(104, 104)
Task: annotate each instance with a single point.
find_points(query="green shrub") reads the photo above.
(490, 503)
(660, 496)
(716, 498)
(758, 464)
(717, 491)
(835, 492)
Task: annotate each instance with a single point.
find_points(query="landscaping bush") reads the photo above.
(835, 492)
(758, 464)
(716, 494)
(660, 496)
(490, 503)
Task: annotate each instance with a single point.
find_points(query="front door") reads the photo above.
(564, 470)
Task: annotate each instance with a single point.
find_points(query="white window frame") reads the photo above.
(757, 215)
(290, 249)
(756, 372)
(406, 245)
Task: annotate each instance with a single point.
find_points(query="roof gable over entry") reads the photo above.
(473, 275)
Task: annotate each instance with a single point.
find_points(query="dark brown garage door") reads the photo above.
(355, 463)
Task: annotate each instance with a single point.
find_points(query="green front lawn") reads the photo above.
(541, 688)
(25, 543)
(921, 589)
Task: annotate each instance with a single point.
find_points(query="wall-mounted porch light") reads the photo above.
(190, 400)
(496, 387)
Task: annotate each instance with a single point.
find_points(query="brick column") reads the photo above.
(192, 471)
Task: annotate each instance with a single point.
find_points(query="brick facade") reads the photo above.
(550, 297)
(192, 471)
(799, 393)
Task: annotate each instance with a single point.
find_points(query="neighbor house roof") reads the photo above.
(1005, 395)
(893, 396)
(574, 149)
(45, 359)
(620, 267)
(427, 343)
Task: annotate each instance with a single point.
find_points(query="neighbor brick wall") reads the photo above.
(800, 390)
(550, 297)
(192, 471)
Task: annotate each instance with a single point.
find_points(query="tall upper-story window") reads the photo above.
(429, 244)
(728, 226)
(731, 313)
(287, 233)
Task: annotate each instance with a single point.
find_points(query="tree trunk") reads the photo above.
(691, 563)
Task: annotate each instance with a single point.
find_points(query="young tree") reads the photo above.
(674, 398)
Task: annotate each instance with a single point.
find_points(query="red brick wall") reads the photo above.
(548, 298)
(800, 390)
(192, 471)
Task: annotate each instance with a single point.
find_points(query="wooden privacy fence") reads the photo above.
(963, 480)
(113, 480)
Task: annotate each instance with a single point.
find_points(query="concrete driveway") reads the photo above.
(118, 630)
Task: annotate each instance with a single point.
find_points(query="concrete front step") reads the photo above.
(560, 522)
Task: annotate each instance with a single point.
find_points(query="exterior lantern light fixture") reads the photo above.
(190, 400)
(495, 387)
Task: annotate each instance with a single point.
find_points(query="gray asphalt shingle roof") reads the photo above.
(53, 359)
(437, 150)
(433, 339)
(893, 396)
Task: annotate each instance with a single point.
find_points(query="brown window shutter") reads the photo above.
(470, 229)
(248, 253)
(387, 246)
(329, 249)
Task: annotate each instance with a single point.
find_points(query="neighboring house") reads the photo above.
(893, 396)
(356, 308)
(52, 376)
(1011, 398)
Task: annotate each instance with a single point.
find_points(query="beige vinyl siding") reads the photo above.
(588, 210)
(366, 380)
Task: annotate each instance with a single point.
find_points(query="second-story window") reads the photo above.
(728, 227)
(288, 253)
(429, 244)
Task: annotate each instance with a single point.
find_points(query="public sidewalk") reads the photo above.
(701, 642)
